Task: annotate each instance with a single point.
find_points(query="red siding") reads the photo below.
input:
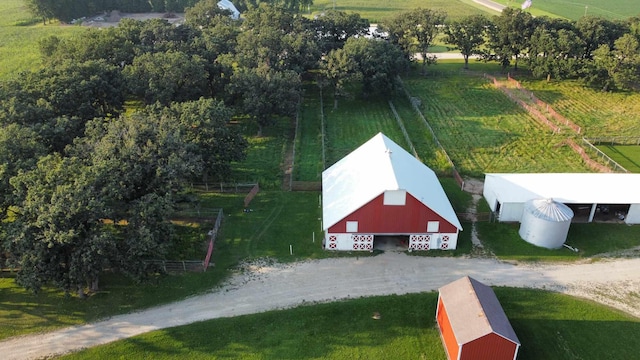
(376, 218)
(489, 347)
(448, 337)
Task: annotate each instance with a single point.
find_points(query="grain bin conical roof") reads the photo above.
(548, 209)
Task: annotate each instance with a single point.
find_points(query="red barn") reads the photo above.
(472, 324)
(380, 189)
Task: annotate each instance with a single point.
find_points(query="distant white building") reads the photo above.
(228, 5)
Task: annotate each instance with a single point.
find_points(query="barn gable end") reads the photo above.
(381, 189)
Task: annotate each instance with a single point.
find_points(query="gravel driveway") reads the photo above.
(263, 287)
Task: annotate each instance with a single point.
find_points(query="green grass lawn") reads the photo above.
(19, 36)
(570, 9)
(549, 326)
(591, 239)
(626, 155)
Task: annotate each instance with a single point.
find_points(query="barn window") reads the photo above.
(352, 226)
(433, 226)
(395, 197)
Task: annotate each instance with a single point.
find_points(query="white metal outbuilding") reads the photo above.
(506, 194)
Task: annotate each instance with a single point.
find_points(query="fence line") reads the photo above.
(615, 140)
(404, 130)
(589, 161)
(559, 118)
(213, 234)
(323, 135)
(223, 187)
(604, 157)
(415, 103)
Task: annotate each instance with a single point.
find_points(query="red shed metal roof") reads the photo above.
(377, 166)
(474, 311)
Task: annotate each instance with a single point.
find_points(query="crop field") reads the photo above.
(19, 36)
(570, 9)
(600, 114)
(379, 10)
(483, 131)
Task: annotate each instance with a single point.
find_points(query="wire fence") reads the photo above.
(603, 157)
(615, 140)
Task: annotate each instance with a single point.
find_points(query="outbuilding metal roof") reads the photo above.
(373, 168)
(568, 188)
(474, 311)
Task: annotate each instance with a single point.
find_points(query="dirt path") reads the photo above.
(265, 287)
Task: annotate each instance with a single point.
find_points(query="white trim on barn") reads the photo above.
(507, 193)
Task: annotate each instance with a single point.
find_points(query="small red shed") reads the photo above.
(472, 323)
(380, 189)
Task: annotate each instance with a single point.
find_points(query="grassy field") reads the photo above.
(481, 129)
(549, 325)
(598, 113)
(380, 10)
(570, 9)
(626, 155)
(19, 36)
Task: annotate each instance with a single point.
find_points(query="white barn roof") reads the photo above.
(568, 188)
(373, 168)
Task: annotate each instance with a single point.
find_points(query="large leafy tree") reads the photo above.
(166, 77)
(467, 35)
(264, 94)
(378, 64)
(617, 66)
(205, 123)
(334, 27)
(555, 49)
(338, 69)
(415, 31)
(57, 236)
(278, 39)
(509, 36)
(596, 31)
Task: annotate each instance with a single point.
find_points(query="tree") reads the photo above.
(620, 65)
(43, 9)
(339, 68)
(468, 35)
(555, 49)
(166, 77)
(596, 31)
(57, 236)
(334, 27)
(205, 123)
(414, 32)
(265, 93)
(509, 36)
(206, 14)
(378, 63)
(20, 149)
(275, 38)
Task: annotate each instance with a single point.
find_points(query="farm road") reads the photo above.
(263, 287)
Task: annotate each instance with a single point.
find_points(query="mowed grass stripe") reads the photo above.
(354, 122)
(308, 161)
